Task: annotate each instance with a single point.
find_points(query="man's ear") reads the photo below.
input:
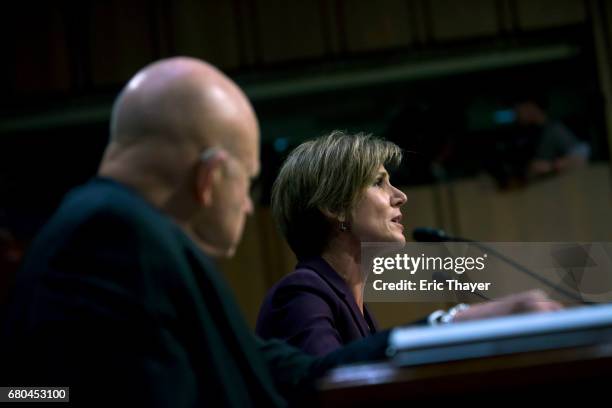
(207, 173)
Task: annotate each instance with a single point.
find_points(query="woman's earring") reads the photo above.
(343, 226)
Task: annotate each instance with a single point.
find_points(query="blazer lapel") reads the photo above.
(370, 319)
(321, 267)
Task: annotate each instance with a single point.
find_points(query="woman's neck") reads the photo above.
(346, 262)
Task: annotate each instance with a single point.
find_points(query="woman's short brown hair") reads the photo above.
(328, 173)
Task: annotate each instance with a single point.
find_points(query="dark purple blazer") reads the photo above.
(313, 308)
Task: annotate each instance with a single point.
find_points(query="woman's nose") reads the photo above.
(399, 198)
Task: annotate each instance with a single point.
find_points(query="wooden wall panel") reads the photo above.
(421, 209)
(246, 271)
(377, 25)
(262, 259)
(453, 20)
(290, 30)
(55, 48)
(38, 50)
(571, 207)
(121, 40)
(280, 260)
(601, 13)
(550, 13)
(207, 30)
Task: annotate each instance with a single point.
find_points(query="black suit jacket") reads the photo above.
(115, 301)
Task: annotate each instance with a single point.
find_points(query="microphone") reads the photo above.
(427, 234)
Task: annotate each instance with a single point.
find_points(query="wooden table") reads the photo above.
(556, 376)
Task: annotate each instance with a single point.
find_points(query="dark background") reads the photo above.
(427, 74)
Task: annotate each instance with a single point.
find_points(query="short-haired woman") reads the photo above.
(332, 193)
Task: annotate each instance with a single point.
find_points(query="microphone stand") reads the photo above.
(440, 236)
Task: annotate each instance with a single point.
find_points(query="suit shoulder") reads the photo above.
(304, 283)
(302, 277)
(108, 215)
(109, 205)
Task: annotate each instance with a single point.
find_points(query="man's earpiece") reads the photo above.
(211, 161)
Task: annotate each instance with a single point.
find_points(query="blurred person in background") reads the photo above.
(556, 147)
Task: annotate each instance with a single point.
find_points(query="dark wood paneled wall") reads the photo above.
(80, 46)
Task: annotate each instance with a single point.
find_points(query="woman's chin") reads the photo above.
(400, 239)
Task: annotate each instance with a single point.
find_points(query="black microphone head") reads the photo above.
(426, 234)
